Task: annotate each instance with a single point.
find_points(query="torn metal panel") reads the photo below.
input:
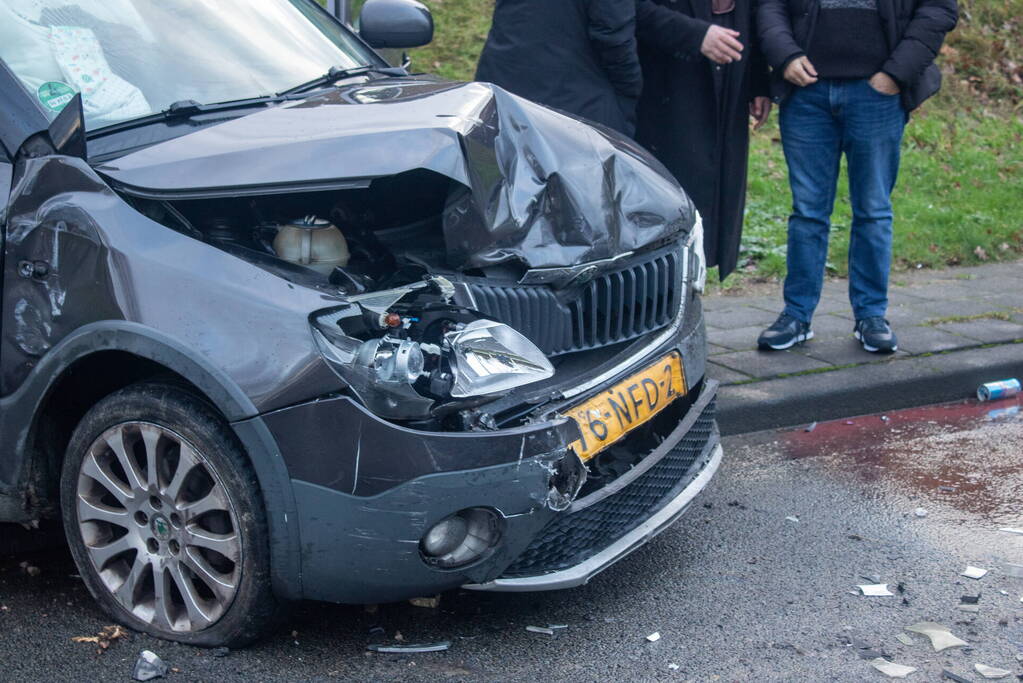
(535, 186)
(398, 454)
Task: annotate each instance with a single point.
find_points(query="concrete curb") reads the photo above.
(902, 383)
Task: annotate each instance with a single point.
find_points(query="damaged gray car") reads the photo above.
(282, 322)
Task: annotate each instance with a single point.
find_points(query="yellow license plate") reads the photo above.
(612, 414)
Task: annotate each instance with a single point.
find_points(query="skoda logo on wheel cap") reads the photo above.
(161, 527)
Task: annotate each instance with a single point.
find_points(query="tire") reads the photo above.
(180, 553)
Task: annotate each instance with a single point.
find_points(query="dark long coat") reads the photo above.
(578, 56)
(696, 129)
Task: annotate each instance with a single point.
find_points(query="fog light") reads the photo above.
(462, 538)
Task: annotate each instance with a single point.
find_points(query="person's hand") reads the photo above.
(884, 84)
(721, 45)
(801, 72)
(760, 109)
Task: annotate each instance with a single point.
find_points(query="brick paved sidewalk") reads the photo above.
(926, 311)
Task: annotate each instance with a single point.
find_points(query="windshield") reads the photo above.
(130, 58)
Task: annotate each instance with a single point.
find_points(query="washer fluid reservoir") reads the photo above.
(312, 242)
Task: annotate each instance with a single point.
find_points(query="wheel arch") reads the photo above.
(100, 358)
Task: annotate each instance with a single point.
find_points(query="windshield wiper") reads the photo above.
(184, 109)
(337, 73)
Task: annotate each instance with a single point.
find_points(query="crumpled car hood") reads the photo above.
(539, 187)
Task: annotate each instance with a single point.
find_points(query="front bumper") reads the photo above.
(367, 491)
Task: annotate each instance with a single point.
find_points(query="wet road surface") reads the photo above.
(737, 591)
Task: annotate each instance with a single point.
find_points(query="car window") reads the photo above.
(131, 58)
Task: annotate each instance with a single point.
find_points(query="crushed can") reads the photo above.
(992, 391)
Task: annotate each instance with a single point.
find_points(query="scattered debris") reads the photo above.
(945, 673)
(864, 650)
(849, 422)
(885, 418)
(557, 627)
(941, 637)
(654, 637)
(792, 518)
(409, 649)
(904, 639)
(991, 672)
(30, 569)
(431, 603)
(673, 666)
(812, 426)
(855, 537)
(149, 666)
(540, 629)
(891, 669)
(1010, 530)
(1013, 570)
(920, 512)
(947, 489)
(970, 599)
(974, 572)
(102, 640)
(875, 590)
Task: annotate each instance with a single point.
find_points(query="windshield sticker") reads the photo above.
(55, 95)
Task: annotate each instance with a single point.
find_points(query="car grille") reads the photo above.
(571, 538)
(614, 307)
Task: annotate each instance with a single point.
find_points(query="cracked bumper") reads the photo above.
(586, 570)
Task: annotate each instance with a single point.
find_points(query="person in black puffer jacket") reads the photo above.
(847, 74)
(578, 56)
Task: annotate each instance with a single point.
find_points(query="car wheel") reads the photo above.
(164, 518)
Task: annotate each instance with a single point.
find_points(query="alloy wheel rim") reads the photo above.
(159, 527)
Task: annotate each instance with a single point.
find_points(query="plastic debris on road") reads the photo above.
(673, 666)
(920, 512)
(812, 426)
(941, 637)
(149, 666)
(954, 677)
(1013, 570)
(991, 672)
(410, 649)
(875, 590)
(974, 572)
(431, 603)
(904, 639)
(792, 518)
(1010, 530)
(540, 629)
(891, 669)
(654, 637)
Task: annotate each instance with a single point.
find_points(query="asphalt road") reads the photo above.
(737, 591)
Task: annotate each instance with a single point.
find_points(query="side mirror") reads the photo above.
(395, 24)
(67, 131)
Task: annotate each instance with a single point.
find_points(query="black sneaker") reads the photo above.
(784, 333)
(876, 335)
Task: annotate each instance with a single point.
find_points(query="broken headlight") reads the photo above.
(490, 358)
(697, 258)
(403, 359)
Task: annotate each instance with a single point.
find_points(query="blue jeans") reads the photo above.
(819, 123)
